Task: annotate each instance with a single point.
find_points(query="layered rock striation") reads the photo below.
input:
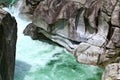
(90, 29)
(8, 37)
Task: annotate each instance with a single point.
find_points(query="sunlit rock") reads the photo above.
(115, 18)
(88, 54)
(108, 6)
(112, 72)
(89, 29)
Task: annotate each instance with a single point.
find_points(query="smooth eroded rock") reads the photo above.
(88, 28)
(112, 72)
(88, 54)
(8, 37)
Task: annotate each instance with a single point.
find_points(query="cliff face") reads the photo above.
(90, 29)
(8, 36)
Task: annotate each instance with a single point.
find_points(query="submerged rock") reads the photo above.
(8, 36)
(115, 39)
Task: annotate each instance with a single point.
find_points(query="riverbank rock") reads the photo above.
(88, 54)
(69, 22)
(87, 28)
(112, 72)
(8, 36)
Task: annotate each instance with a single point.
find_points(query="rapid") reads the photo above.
(44, 60)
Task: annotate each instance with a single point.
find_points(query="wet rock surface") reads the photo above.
(8, 36)
(90, 29)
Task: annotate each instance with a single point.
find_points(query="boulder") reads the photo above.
(112, 72)
(8, 37)
(31, 30)
(72, 23)
(88, 54)
(90, 29)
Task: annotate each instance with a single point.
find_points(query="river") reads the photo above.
(41, 60)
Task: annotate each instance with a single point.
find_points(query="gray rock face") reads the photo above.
(8, 36)
(112, 72)
(90, 29)
(88, 54)
(72, 22)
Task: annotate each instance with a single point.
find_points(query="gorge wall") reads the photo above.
(90, 29)
(8, 37)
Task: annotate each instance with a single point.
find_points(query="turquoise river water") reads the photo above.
(40, 60)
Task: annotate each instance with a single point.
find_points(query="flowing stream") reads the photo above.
(41, 60)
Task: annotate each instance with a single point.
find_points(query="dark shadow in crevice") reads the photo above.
(111, 30)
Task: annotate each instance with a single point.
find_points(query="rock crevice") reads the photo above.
(90, 29)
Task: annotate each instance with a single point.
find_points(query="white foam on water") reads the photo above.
(37, 60)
